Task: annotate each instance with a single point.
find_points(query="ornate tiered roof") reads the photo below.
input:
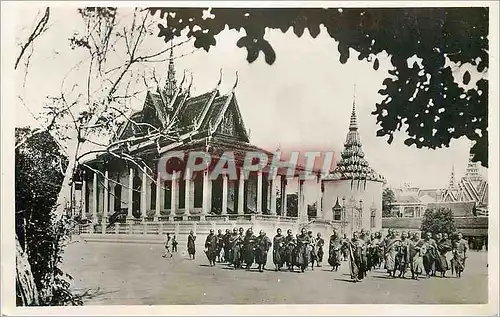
(472, 187)
(353, 164)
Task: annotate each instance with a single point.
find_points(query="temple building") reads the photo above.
(467, 199)
(120, 192)
(471, 188)
(352, 193)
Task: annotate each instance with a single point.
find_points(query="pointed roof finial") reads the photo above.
(353, 125)
(236, 82)
(170, 85)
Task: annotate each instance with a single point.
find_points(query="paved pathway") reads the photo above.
(135, 274)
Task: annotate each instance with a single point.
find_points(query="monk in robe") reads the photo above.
(344, 249)
(262, 245)
(357, 251)
(391, 248)
(402, 257)
(303, 252)
(377, 250)
(235, 242)
(218, 252)
(312, 249)
(430, 255)
(365, 236)
(249, 248)
(211, 247)
(226, 246)
(460, 249)
(278, 250)
(290, 246)
(334, 250)
(416, 252)
(443, 246)
(320, 242)
(191, 245)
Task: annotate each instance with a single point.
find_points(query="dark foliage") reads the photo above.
(438, 221)
(388, 199)
(39, 166)
(426, 99)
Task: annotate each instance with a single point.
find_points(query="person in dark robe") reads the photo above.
(430, 255)
(344, 249)
(304, 252)
(460, 249)
(312, 249)
(211, 247)
(391, 248)
(379, 250)
(366, 261)
(402, 258)
(167, 241)
(443, 246)
(356, 249)
(278, 250)
(262, 245)
(174, 244)
(290, 247)
(334, 250)
(225, 246)
(320, 242)
(220, 245)
(235, 241)
(249, 248)
(416, 252)
(191, 245)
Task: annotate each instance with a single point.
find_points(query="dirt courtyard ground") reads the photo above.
(136, 274)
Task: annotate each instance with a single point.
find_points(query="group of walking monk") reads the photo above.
(365, 251)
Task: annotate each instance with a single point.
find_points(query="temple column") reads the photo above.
(283, 195)
(84, 197)
(130, 216)
(319, 209)
(259, 192)
(111, 197)
(95, 194)
(209, 201)
(106, 200)
(241, 194)
(174, 195)
(301, 212)
(144, 196)
(224, 194)
(272, 200)
(206, 194)
(158, 198)
(187, 195)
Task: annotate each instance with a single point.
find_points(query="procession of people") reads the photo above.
(398, 253)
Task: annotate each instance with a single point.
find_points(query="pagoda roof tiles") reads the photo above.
(353, 164)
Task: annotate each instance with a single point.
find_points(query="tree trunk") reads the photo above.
(26, 291)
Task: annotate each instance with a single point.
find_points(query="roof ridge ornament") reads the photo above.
(190, 83)
(220, 79)
(236, 82)
(183, 79)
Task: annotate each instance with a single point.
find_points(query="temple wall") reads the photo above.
(370, 193)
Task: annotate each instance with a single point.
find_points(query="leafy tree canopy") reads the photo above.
(424, 97)
(438, 221)
(388, 198)
(40, 167)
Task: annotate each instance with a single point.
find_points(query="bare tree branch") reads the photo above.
(39, 29)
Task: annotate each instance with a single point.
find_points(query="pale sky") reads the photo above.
(302, 101)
